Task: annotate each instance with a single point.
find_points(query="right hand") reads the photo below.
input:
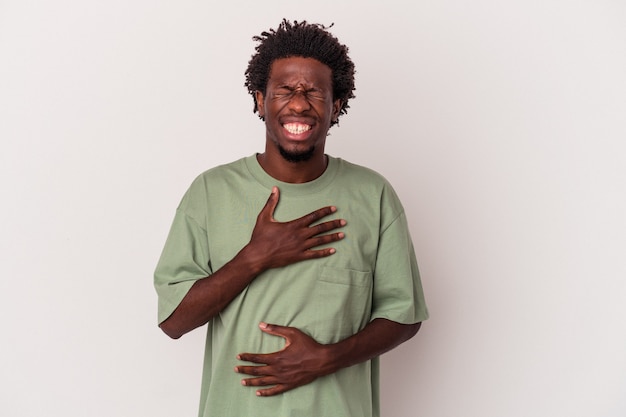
(275, 244)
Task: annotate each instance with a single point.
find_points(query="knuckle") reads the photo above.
(318, 214)
(311, 217)
(326, 239)
(320, 253)
(311, 254)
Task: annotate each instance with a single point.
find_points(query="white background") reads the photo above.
(500, 124)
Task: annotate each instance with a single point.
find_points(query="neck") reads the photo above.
(293, 172)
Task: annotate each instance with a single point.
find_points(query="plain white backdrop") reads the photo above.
(500, 124)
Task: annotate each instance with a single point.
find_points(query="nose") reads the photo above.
(299, 102)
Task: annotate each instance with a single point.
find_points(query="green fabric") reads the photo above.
(373, 275)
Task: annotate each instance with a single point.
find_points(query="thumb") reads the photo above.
(270, 205)
(282, 331)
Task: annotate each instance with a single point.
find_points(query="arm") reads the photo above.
(303, 360)
(273, 244)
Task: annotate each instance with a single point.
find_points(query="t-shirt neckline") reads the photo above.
(268, 181)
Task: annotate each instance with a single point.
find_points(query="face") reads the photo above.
(298, 107)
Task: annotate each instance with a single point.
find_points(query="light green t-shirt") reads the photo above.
(373, 274)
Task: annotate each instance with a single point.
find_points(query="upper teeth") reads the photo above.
(296, 128)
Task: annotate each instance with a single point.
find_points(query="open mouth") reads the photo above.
(296, 128)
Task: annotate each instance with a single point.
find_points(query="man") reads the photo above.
(299, 300)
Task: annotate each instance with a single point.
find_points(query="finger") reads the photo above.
(324, 239)
(275, 390)
(314, 216)
(276, 330)
(318, 253)
(326, 226)
(253, 370)
(270, 205)
(260, 358)
(259, 382)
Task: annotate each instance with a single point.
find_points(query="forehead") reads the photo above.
(299, 70)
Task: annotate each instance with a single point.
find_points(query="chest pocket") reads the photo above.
(343, 303)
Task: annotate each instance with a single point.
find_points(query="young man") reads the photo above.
(299, 300)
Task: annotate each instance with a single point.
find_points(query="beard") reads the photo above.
(296, 156)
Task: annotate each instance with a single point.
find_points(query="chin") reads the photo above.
(297, 155)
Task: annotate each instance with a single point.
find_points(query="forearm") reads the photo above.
(209, 296)
(378, 337)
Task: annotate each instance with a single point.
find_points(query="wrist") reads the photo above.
(251, 260)
(333, 358)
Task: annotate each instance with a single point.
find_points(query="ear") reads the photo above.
(260, 103)
(336, 110)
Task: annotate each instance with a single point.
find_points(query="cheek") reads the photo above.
(331, 113)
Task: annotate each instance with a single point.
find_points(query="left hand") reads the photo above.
(300, 362)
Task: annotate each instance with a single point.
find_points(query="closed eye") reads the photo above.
(286, 92)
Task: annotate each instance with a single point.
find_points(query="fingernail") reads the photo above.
(343, 222)
(332, 250)
(263, 325)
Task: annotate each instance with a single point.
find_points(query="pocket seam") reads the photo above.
(345, 276)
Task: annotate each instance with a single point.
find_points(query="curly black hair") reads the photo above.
(307, 40)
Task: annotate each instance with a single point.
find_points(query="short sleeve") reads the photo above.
(183, 261)
(398, 293)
